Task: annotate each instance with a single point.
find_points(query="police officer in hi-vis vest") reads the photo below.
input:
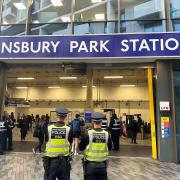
(56, 160)
(96, 145)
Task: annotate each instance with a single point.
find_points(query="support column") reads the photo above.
(3, 83)
(110, 17)
(164, 92)
(169, 24)
(89, 94)
(28, 20)
(152, 114)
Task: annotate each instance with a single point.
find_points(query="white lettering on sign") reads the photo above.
(26, 47)
(89, 47)
(170, 44)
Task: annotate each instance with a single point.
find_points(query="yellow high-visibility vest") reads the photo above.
(58, 144)
(97, 149)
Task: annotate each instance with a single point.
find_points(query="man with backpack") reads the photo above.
(75, 126)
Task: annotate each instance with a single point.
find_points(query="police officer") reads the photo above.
(56, 160)
(96, 144)
(115, 128)
(9, 125)
(104, 124)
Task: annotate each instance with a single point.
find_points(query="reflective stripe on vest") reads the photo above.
(116, 125)
(58, 144)
(97, 149)
(104, 124)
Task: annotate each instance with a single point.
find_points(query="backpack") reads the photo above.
(75, 125)
(37, 131)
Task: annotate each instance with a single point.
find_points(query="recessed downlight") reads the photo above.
(21, 87)
(20, 6)
(25, 78)
(56, 3)
(127, 85)
(86, 86)
(68, 78)
(113, 77)
(53, 87)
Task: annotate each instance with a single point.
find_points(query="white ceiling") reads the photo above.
(50, 76)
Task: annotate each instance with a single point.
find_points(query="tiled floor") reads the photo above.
(25, 166)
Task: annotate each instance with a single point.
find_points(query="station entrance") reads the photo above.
(38, 90)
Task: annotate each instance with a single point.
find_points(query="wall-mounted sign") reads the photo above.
(87, 116)
(91, 46)
(165, 127)
(164, 106)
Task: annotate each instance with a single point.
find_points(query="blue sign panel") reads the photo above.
(91, 46)
(87, 117)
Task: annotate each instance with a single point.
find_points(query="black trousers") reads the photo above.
(39, 146)
(9, 140)
(95, 171)
(115, 139)
(58, 168)
(133, 137)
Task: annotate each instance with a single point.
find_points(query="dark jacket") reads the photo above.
(134, 126)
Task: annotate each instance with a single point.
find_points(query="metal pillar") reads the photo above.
(3, 83)
(169, 24)
(89, 95)
(110, 16)
(164, 92)
(152, 113)
(29, 18)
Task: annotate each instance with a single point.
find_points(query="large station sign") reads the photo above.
(91, 46)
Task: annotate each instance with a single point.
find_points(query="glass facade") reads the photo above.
(175, 14)
(61, 17)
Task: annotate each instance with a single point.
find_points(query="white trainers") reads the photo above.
(75, 153)
(33, 150)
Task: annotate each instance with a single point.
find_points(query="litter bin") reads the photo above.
(2, 138)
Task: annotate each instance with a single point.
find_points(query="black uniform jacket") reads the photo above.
(85, 140)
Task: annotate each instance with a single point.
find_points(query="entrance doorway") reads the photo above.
(38, 91)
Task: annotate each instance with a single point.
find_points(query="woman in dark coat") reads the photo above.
(42, 128)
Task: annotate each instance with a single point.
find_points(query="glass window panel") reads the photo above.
(175, 8)
(175, 13)
(14, 17)
(51, 29)
(176, 25)
(14, 11)
(51, 11)
(51, 17)
(177, 99)
(12, 30)
(142, 16)
(143, 9)
(95, 27)
(96, 10)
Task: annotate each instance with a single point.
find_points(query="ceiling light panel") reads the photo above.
(128, 85)
(25, 78)
(86, 86)
(96, 1)
(21, 87)
(67, 78)
(65, 19)
(20, 6)
(99, 16)
(56, 3)
(53, 87)
(113, 77)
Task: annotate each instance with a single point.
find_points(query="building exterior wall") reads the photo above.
(97, 17)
